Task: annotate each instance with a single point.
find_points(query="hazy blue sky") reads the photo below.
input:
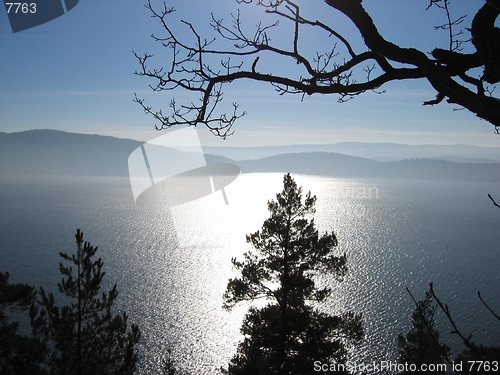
(75, 73)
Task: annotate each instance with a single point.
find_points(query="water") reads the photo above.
(172, 266)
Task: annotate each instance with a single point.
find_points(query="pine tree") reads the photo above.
(19, 355)
(288, 334)
(84, 337)
(421, 346)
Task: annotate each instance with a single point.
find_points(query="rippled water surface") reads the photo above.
(172, 265)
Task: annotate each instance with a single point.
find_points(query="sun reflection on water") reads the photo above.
(209, 233)
(172, 265)
(372, 224)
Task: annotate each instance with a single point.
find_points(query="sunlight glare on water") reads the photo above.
(172, 265)
(376, 227)
(209, 233)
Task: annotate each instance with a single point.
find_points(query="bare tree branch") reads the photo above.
(495, 203)
(341, 70)
(466, 340)
(489, 308)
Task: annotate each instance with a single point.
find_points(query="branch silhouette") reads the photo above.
(341, 70)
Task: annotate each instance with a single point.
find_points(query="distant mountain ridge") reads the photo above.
(54, 152)
(375, 151)
(338, 165)
(51, 152)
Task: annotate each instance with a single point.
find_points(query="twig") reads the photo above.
(445, 356)
(446, 310)
(495, 203)
(489, 308)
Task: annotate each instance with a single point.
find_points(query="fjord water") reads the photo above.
(172, 265)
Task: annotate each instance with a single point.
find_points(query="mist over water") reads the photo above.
(172, 265)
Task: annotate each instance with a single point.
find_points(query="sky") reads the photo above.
(76, 73)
